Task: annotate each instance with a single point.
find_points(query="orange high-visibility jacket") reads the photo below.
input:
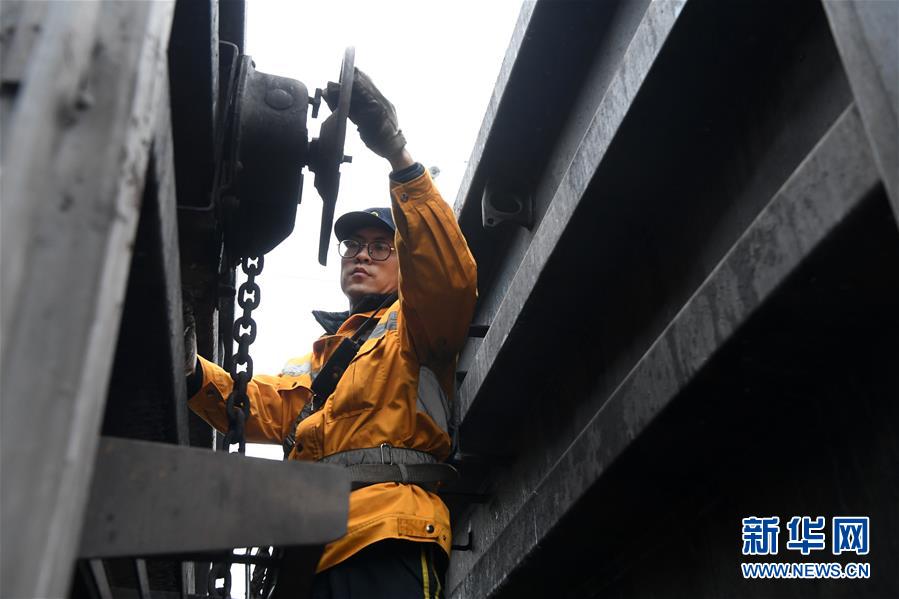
(395, 390)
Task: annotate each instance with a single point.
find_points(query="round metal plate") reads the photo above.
(327, 152)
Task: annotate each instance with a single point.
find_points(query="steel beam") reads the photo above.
(74, 163)
(652, 203)
(198, 66)
(867, 35)
(647, 42)
(21, 24)
(651, 155)
(194, 75)
(150, 346)
(153, 499)
(488, 125)
(167, 202)
(535, 123)
(60, 57)
(833, 180)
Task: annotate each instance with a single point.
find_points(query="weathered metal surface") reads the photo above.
(658, 21)
(73, 182)
(620, 224)
(266, 145)
(867, 35)
(825, 188)
(147, 397)
(650, 230)
(11, 18)
(194, 81)
(60, 57)
(22, 23)
(647, 232)
(164, 175)
(151, 498)
(232, 22)
(733, 103)
(536, 120)
(795, 414)
(519, 35)
(196, 62)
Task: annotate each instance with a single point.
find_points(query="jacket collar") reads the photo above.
(332, 321)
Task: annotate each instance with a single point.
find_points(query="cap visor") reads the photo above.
(351, 222)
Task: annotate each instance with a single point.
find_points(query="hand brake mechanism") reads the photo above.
(262, 148)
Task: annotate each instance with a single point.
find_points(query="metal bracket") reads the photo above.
(501, 204)
(467, 545)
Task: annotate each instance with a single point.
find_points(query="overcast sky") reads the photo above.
(436, 61)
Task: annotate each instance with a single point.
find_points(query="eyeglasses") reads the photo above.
(377, 250)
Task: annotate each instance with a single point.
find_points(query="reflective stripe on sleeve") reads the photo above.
(383, 327)
(297, 369)
(431, 398)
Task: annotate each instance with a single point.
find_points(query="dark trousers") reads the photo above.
(390, 569)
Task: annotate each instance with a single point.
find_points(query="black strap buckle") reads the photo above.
(288, 444)
(388, 447)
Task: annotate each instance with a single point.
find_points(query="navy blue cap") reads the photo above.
(351, 222)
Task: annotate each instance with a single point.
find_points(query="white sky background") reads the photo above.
(436, 61)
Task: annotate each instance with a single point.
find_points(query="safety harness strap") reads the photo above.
(383, 454)
(330, 374)
(428, 476)
(385, 464)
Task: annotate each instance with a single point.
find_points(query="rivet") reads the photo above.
(404, 197)
(84, 100)
(429, 528)
(278, 99)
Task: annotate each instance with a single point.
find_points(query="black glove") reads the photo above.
(373, 114)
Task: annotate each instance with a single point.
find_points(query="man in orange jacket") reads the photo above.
(411, 283)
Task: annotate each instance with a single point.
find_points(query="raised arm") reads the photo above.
(438, 276)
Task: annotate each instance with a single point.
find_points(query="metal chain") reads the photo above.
(244, 332)
(238, 405)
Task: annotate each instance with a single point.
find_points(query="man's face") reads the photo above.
(361, 276)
